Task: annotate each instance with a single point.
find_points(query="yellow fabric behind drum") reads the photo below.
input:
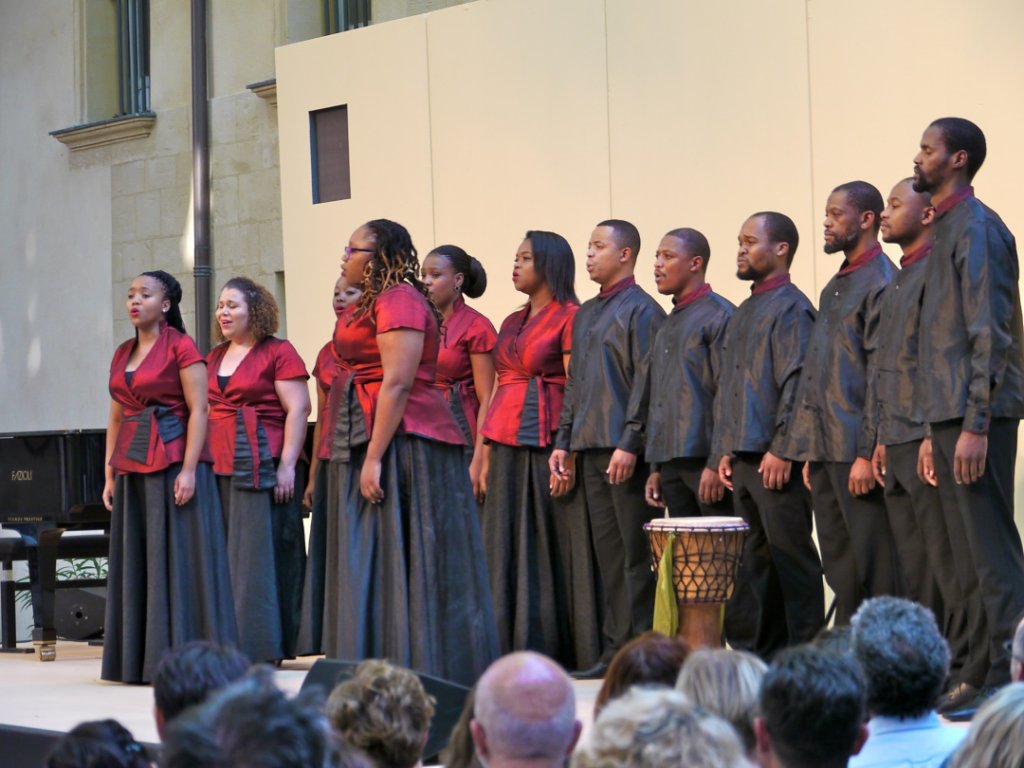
(666, 607)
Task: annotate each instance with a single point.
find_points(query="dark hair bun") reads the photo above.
(474, 281)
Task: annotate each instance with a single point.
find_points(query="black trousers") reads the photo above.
(925, 554)
(857, 550)
(985, 511)
(617, 514)
(779, 599)
(680, 484)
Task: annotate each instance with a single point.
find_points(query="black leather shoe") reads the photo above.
(956, 698)
(595, 672)
(968, 711)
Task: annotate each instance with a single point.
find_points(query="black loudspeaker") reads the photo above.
(79, 613)
(449, 699)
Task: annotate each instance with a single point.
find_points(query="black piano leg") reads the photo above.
(9, 638)
(44, 635)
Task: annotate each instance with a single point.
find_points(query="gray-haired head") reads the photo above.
(904, 656)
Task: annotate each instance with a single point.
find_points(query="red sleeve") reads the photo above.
(287, 363)
(402, 307)
(186, 352)
(481, 336)
(567, 328)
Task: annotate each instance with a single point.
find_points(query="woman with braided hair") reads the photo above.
(406, 578)
(167, 577)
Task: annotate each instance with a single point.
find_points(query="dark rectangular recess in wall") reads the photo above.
(328, 138)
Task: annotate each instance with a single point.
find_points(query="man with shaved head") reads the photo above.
(525, 713)
(832, 429)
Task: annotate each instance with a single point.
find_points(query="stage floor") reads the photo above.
(57, 695)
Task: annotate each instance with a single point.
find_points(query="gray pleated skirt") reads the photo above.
(543, 571)
(167, 580)
(267, 561)
(406, 579)
(311, 627)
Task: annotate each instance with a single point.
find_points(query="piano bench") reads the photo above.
(13, 549)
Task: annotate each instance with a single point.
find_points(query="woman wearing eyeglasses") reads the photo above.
(405, 572)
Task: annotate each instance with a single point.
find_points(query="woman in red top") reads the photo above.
(315, 498)
(405, 572)
(167, 580)
(539, 554)
(465, 368)
(258, 410)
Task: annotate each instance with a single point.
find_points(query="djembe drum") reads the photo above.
(706, 554)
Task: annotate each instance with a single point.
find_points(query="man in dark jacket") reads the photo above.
(832, 429)
(603, 416)
(970, 383)
(923, 541)
(779, 598)
(686, 360)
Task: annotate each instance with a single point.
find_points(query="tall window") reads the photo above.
(342, 15)
(328, 133)
(115, 58)
(133, 55)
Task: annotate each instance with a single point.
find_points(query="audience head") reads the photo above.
(996, 738)
(189, 673)
(525, 712)
(648, 659)
(659, 728)
(612, 251)
(252, 723)
(545, 259)
(767, 244)
(171, 289)
(98, 744)
(837, 639)
(727, 684)
(852, 216)
(384, 712)
(903, 655)
(460, 752)
(449, 271)
(907, 215)
(812, 710)
(245, 309)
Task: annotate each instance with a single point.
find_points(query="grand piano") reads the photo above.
(50, 483)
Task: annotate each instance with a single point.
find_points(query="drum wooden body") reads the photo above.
(705, 559)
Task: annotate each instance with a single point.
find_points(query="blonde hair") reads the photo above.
(725, 683)
(996, 738)
(659, 728)
(383, 711)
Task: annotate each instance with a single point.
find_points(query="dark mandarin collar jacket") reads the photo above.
(761, 361)
(896, 356)
(970, 363)
(686, 361)
(605, 403)
(833, 420)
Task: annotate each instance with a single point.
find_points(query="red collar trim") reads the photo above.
(619, 287)
(860, 261)
(688, 298)
(771, 284)
(952, 201)
(915, 255)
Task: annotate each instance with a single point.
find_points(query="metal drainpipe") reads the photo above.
(202, 269)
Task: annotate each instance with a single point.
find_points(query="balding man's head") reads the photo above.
(525, 712)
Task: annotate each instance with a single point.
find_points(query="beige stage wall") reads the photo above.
(475, 123)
